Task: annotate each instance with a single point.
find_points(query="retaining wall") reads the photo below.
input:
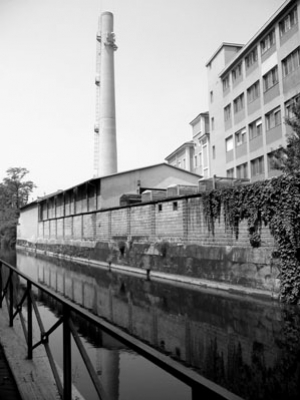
(170, 236)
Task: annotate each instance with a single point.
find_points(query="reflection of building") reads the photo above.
(251, 88)
(193, 156)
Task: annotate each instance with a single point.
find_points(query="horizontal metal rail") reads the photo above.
(202, 388)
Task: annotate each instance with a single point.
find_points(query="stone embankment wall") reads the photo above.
(169, 236)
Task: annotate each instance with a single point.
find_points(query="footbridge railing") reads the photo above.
(201, 388)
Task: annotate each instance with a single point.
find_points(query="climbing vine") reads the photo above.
(274, 203)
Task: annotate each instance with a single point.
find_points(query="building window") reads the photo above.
(229, 143)
(253, 92)
(175, 206)
(255, 129)
(270, 78)
(205, 156)
(227, 113)
(288, 106)
(211, 96)
(226, 84)
(273, 118)
(291, 62)
(236, 72)
(251, 58)
(288, 21)
(267, 42)
(200, 161)
(212, 123)
(214, 152)
(238, 103)
(159, 207)
(229, 173)
(183, 163)
(242, 171)
(257, 166)
(240, 137)
(195, 161)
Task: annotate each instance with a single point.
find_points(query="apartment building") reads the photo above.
(251, 89)
(194, 155)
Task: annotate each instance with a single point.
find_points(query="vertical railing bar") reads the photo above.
(37, 314)
(67, 355)
(22, 319)
(97, 384)
(1, 283)
(47, 348)
(11, 299)
(54, 369)
(29, 322)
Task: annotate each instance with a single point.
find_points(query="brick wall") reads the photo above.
(140, 220)
(103, 225)
(169, 219)
(68, 227)
(89, 228)
(119, 226)
(176, 220)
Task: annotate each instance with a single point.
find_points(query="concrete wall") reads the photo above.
(28, 227)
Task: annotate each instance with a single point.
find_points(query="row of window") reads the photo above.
(287, 23)
(257, 168)
(270, 79)
(272, 119)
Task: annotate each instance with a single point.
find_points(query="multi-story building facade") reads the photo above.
(194, 155)
(251, 89)
(201, 158)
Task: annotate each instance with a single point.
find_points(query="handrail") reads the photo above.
(201, 387)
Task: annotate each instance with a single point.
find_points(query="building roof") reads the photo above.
(202, 114)
(262, 31)
(224, 44)
(165, 165)
(182, 147)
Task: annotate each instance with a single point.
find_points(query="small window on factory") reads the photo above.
(160, 207)
(175, 206)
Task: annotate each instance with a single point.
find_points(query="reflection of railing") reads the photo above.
(201, 387)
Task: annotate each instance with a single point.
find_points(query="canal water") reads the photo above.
(248, 345)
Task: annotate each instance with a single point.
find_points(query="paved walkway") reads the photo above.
(8, 387)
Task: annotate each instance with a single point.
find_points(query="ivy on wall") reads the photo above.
(274, 203)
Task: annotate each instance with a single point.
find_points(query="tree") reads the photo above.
(14, 193)
(287, 158)
(18, 191)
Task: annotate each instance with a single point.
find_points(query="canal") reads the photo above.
(250, 346)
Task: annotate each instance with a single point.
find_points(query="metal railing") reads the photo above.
(201, 387)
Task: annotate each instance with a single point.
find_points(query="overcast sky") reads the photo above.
(47, 70)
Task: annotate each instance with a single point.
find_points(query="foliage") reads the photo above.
(18, 190)
(287, 158)
(14, 194)
(275, 203)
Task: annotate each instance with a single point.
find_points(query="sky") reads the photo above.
(47, 74)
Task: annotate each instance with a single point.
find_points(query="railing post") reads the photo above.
(11, 299)
(29, 321)
(1, 285)
(67, 359)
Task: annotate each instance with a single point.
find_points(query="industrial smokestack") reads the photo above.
(105, 160)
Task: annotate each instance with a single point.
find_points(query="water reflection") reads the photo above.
(249, 346)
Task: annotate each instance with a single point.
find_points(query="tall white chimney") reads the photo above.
(105, 156)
